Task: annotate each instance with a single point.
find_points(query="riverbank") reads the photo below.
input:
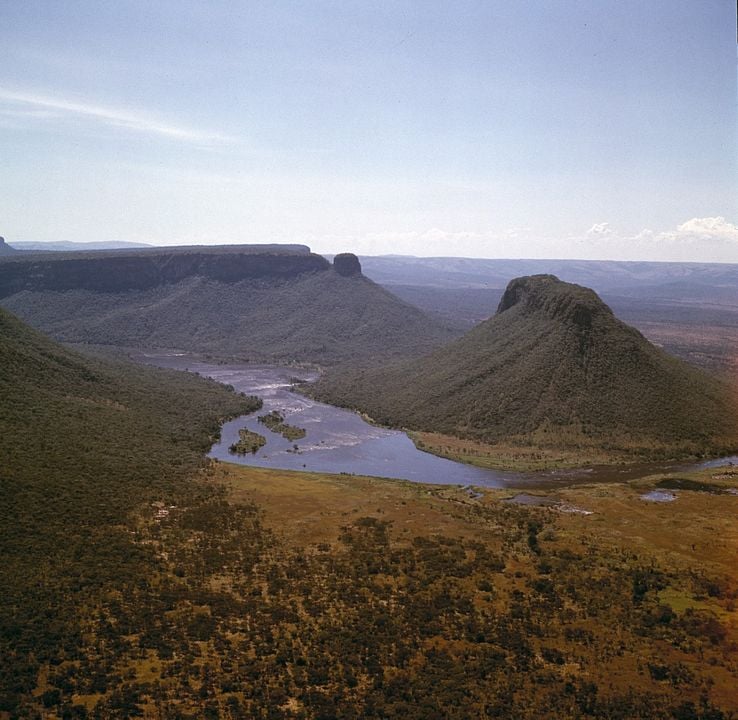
(338, 440)
(504, 456)
(532, 458)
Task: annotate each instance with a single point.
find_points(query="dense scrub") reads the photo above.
(243, 625)
(248, 442)
(85, 445)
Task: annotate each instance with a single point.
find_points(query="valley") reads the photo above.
(368, 360)
(340, 441)
(154, 572)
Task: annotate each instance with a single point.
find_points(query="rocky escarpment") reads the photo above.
(229, 302)
(145, 269)
(5, 249)
(554, 367)
(557, 299)
(553, 296)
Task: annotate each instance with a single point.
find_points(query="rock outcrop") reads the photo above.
(347, 264)
(559, 300)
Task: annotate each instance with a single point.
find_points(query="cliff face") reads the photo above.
(5, 249)
(556, 300)
(347, 264)
(118, 272)
(232, 302)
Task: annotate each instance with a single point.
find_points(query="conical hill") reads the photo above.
(552, 367)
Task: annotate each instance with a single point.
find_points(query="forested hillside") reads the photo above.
(251, 306)
(689, 309)
(86, 447)
(553, 367)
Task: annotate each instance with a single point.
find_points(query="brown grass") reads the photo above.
(506, 456)
(694, 537)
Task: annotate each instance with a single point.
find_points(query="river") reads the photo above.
(340, 441)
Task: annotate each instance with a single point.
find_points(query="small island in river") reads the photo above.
(248, 442)
(275, 422)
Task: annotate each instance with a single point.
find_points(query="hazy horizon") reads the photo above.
(489, 129)
(102, 245)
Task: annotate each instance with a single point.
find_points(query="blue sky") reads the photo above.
(539, 128)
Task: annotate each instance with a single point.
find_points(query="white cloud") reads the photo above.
(710, 228)
(134, 120)
(696, 240)
(708, 239)
(599, 229)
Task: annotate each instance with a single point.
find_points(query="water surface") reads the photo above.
(340, 441)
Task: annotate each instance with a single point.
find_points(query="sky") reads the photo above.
(480, 128)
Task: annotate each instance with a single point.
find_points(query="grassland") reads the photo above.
(632, 606)
(508, 456)
(714, 347)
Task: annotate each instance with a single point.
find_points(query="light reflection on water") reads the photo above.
(340, 441)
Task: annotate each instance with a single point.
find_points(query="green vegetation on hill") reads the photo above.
(135, 586)
(313, 314)
(689, 309)
(553, 368)
(86, 446)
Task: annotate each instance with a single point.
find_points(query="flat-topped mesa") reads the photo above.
(558, 299)
(347, 264)
(141, 270)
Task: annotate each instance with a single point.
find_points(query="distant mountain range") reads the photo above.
(603, 276)
(552, 368)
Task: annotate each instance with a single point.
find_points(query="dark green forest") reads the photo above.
(86, 446)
